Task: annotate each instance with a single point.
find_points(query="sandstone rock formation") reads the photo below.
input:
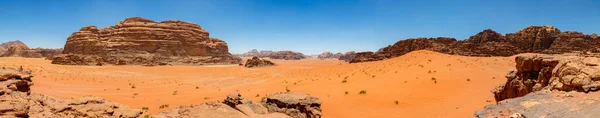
(4, 46)
(139, 41)
(326, 55)
(297, 105)
(257, 62)
(348, 56)
(19, 49)
(533, 39)
(16, 100)
(252, 53)
(558, 72)
(286, 55)
(278, 105)
(329, 55)
(548, 86)
(540, 104)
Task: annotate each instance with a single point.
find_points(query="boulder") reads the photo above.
(252, 53)
(257, 62)
(297, 105)
(348, 56)
(366, 57)
(325, 55)
(287, 55)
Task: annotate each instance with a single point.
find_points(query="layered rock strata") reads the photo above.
(140, 41)
(533, 39)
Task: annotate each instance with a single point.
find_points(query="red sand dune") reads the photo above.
(463, 83)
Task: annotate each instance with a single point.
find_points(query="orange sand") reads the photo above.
(405, 79)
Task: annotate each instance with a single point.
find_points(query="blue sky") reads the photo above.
(308, 26)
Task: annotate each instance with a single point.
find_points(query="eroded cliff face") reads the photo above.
(533, 39)
(348, 56)
(548, 86)
(141, 41)
(285, 55)
(19, 49)
(556, 72)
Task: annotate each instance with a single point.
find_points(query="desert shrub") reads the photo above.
(363, 92)
(163, 106)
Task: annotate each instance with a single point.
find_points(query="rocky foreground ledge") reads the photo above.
(548, 86)
(278, 105)
(16, 100)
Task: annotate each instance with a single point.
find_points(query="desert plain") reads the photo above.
(420, 83)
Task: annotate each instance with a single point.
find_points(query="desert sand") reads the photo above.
(424, 83)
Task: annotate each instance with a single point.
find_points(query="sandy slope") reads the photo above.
(406, 79)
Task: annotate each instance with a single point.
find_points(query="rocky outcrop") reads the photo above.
(366, 57)
(533, 39)
(252, 53)
(19, 49)
(76, 59)
(326, 55)
(257, 62)
(16, 100)
(542, 104)
(572, 42)
(4, 46)
(348, 56)
(139, 41)
(558, 72)
(278, 105)
(286, 55)
(297, 105)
